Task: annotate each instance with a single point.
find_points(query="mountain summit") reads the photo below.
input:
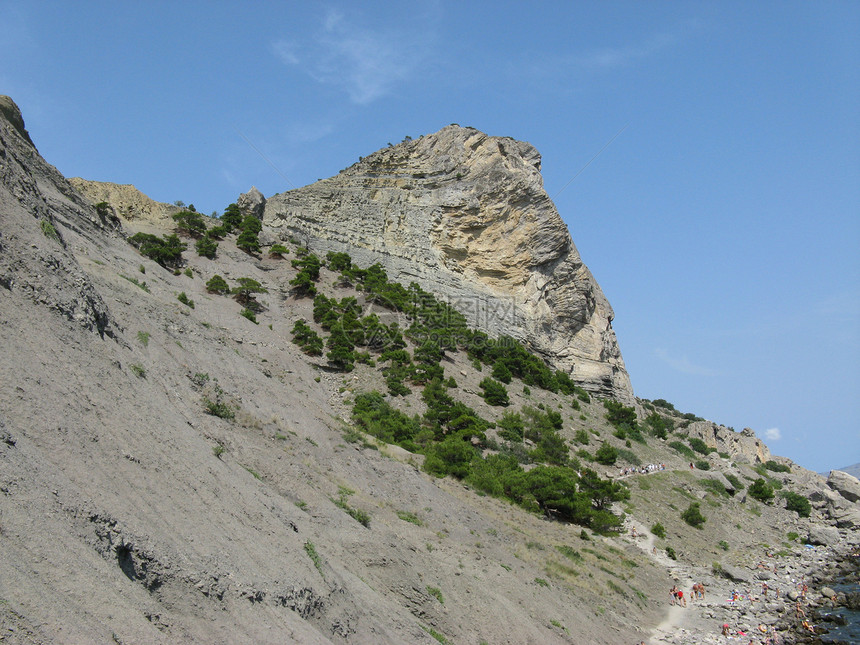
(466, 216)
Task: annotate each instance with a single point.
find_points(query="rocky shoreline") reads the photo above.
(769, 603)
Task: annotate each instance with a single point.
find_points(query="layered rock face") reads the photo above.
(465, 215)
(126, 200)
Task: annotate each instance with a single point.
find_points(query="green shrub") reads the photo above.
(376, 417)
(217, 284)
(360, 516)
(409, 516)
(250, 315)
(248, 237)
(629, 456)
(436, 593)
(606, 454)
(714, 486)
(701, 464)
(49, 231)
(501, 372)
(760, 490)
(306, 338)
(190, 223)
(658, 425)
(245, 292)
(663, 403)
(511, 427)
(581, 437)
(138, 370)
(777, 467)
(185, 300)
(278, 251)
(143, 337)
(618, 414)
(341, 354)
(659, 530)
(792, 536)
(734, 481)
(218, 408)
(232, 217)
(682, 448)
(670, 553)
(693, 515)
(218, 450)
(206, 247)
(166, 251)
(699, 446)
(311, 550)
(217, 232)
(723, 545)
(797, 503)
(338, 261)
(494, 392)
(135, 282)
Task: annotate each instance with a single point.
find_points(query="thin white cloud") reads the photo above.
(286, 51)
(682, 364)
(363, 63)
(773, 434)
(612, 57)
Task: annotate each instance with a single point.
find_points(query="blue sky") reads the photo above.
(723, 223)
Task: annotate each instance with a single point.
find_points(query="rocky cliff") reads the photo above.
(465, 215)
(126, 201)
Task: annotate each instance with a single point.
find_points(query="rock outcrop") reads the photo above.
(465, 215)
(743, 446)
(252, 203)
(39, 208)
(126, 200)
(844, 484)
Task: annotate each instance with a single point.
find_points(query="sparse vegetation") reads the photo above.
(693, 515)
(217, 284)
(659, 530)
(138, 370)
(409, 516)
(777, 467)
(797, 503)
(166, 251)
(761, 491)
(48, 230)
(185, 300)
(311, 550)
(136, 282)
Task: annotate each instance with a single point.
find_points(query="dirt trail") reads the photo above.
(677, 617)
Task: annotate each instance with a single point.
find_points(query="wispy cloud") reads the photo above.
(682, 364)
(364, 63)
(773, 434)
(612, 57)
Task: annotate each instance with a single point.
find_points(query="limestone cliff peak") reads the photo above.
(466, 216)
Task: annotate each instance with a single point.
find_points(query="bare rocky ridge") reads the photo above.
(119, 523)
(126, 201)
(465, 215)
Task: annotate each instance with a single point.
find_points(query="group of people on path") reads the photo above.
(677, 597)
(641, 470)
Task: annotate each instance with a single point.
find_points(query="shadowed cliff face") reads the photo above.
(466, 216)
